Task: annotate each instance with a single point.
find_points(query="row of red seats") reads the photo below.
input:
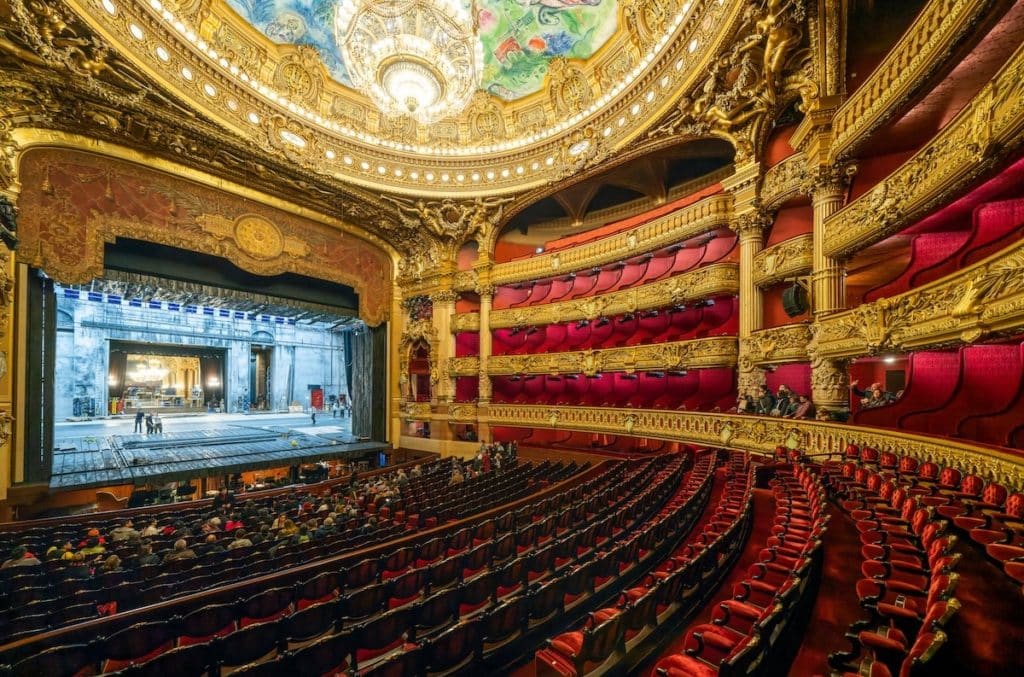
(945, 249)
(986, 511)
(975, 392)
(909, 578)
(715, 316)
(695, 390)
(398, 583)
(611, 475)
(608, 635)
(744, 629)
(694, 253)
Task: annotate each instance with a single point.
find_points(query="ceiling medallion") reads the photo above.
(419, 58)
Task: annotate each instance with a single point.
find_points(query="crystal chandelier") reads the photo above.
(419, 58)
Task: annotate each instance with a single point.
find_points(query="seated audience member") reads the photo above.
(92, 533)
(416, 471)
(765, 401)
(146, 555)
(211, 545)
(875, 396)
(240, 540)
(110, 565)
(801, 409)
(93, 547)
(457, 476)
(744, 404)
(180, 551)
(224, 499)
(234, 522)
(151, 529)
(20, 557)
(123, 532)
(782, 401)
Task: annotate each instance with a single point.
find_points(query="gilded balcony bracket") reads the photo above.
(789, 258)
(778, 345)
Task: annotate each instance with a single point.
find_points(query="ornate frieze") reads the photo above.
(924, 48)
(416, 411)
(982, 300)
(720, 278)
(462, 413)
(463, 366)
(701, 217)
(784, 181)
(786, 259)
(465, 322)
(983, 133)
(778, 345)
(760, 434)
(711, 352)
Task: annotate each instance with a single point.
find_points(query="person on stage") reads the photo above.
(140, 416)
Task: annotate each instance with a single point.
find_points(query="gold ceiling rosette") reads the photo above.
(419, 58)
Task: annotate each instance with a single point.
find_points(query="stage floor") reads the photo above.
(106, 452)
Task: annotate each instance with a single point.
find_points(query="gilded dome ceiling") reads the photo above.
(604, 75)
(519, 37)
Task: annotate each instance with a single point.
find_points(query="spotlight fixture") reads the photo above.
(602, 322)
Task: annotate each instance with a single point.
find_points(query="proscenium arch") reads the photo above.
(375, 295)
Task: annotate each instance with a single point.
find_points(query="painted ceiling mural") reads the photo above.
(519, 37)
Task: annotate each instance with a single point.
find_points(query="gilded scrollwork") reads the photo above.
(788, 258)
(463, 366)
(463, 322)
(760, 435)
(963, 151)
(924, 48)
(680, 355)
(701, 217)
(787, 343)
(784, 181)
(719, 278)
(982, 300)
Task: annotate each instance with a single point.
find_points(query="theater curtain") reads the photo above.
(366, 358)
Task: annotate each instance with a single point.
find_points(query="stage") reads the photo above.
(197, 446)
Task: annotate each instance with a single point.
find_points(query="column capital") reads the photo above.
(485, 289)
(444, 296)
(828, 182)
(751, 224)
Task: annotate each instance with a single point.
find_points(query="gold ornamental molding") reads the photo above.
(462, 413)
(786, 259)
(925, 48)
(761, 435)
(984, 300)
(710, 352)
(465, 322)
(984, 133)
(416, 411)
(464, 366)
(784, 181)
(719, 278)
(776, 346)
(281, 97)
(701, 217)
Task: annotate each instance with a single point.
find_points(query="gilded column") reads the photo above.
(750, 229)
(486, 291)
(443, 309)
(8, 194)
(829, 378)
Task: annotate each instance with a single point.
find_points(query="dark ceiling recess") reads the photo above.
(652, 176)
(134, 256)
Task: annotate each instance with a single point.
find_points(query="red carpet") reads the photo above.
(836, 605)
(764, 513)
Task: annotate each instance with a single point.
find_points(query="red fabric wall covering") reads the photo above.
(584, 283)
(993, 226)
(790, 222)
(505, 297)
(467, 388)
(796, 375)
(996, 425)
(926, 251)
(774, 314)
(463, 305)
(932, 380)
(507, 251)
(871, 170)
(778, 149)
(991, 377)
(467, 344)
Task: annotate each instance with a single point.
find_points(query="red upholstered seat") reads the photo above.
(681, 665)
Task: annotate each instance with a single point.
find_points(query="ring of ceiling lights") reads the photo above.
(179, 58)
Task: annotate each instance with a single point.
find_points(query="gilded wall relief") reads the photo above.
(73, 202)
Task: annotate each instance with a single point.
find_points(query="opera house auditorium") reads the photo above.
(544, 338)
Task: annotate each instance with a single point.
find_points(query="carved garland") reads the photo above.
(776, 346)
(786, 259)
